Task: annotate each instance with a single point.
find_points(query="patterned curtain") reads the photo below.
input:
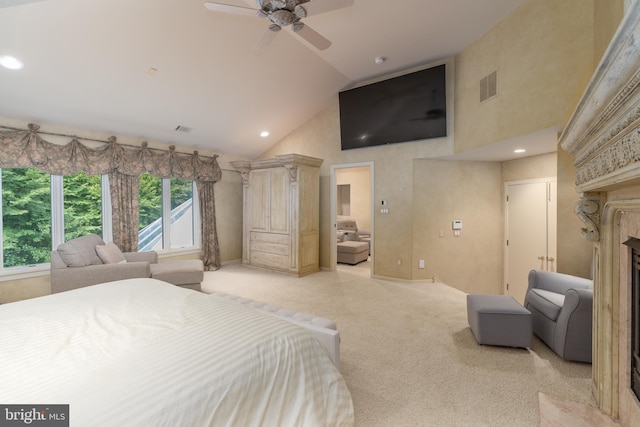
(124, 204)
(27, 148)
(210, 248)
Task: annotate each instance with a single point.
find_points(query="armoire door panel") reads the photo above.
(279, 210)
(259, 199)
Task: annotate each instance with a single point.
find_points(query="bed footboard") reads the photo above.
(323, 329)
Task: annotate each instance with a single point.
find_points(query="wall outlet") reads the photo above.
(399, 262)
(421, 263)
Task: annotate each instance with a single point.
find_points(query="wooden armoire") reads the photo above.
(281, 213)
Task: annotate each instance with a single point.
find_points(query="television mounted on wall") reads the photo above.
(407, 108)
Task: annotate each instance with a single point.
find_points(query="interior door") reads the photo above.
(530, 232)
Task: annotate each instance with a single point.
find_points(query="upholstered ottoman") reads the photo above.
(499, 320)
(352, 252)
(187, 273)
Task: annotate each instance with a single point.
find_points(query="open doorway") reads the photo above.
(352, 217)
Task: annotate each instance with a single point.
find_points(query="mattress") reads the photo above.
(141, 352)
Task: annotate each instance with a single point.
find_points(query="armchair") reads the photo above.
(561, 309)
(87, 261)
(353, 244)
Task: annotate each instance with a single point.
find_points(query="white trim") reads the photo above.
(197, 220)
(166, 214)
(107, 220)
(57, 210)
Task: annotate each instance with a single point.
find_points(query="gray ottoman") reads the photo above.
(187, 273)
(499, 320)
(352, 252)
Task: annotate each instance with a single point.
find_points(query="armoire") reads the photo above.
(281, 213)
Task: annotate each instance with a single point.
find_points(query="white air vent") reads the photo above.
(489, 86)
(183, 129)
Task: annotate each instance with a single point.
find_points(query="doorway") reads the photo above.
(352, 189)
(530, 230)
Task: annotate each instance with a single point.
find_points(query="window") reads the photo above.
(82, 205)
(168, 214)
(150, 213)
(26, 217)
(182, 218)
(40, 211)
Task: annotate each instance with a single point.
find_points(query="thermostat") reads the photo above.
(457, 224)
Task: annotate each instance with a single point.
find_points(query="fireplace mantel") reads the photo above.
(603, 136)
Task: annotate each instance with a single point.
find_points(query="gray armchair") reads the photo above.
(561, 307)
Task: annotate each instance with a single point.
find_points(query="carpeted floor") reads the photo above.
(407, 353)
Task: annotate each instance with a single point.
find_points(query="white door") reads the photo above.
(530, 216)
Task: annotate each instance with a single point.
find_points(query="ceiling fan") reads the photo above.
(283, 13)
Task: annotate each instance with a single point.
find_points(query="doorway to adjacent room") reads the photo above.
(352, 188)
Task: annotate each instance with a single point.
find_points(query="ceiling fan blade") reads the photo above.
(8, 3)
(313, 37)
(315, 7)
(227, 8)
(266, 38)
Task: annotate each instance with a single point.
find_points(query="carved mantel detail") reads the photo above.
(619, 154)
(588, 209)
(603, 136)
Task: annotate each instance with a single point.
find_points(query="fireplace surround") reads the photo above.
(603, 136)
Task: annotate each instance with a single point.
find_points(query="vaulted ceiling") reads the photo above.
(143, 68)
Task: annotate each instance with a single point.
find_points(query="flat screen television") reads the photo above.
(401, 109)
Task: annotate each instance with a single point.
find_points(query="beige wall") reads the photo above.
(468, 191)
(543, 54)
(359, 181)
(228, 193)
(542, 166)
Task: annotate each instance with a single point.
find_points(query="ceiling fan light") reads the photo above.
(300, 11)
(275, 28)
(283, 17)
(297, 26)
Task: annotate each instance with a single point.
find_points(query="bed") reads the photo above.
(142, 352)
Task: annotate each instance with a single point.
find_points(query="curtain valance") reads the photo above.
(27, 148)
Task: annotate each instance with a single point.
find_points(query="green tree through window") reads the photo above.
(150, 205)
(82, 205)
(26, 217)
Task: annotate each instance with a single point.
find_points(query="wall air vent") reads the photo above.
(489, 86)
(183, 129)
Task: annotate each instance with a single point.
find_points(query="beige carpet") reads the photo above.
(407, 353)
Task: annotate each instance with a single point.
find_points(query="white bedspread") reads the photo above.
(141, 352)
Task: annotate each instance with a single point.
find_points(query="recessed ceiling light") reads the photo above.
(264, 134)
(519, 150)
(11, 62)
